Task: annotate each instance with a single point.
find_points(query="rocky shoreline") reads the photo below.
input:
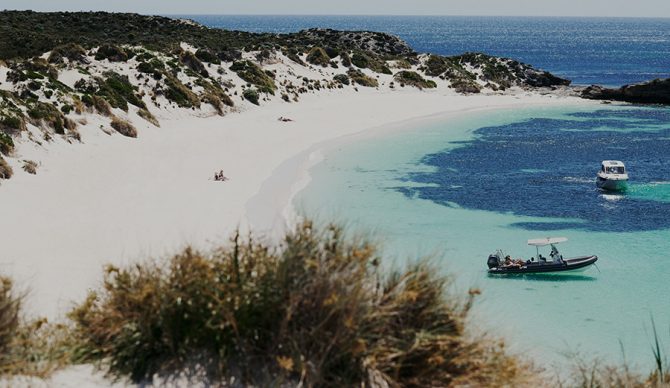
(651, 92)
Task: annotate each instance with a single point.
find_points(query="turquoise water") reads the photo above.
(421, 192)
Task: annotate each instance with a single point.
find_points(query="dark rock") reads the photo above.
(652, 92)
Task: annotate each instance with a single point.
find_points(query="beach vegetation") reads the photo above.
(208, 56)
(345, 59)
(318, 56)
(113, 87)
(42, 113)
(112, 53)
(342, 78)
(30, 166)
(98, 103)
(72, 51)
(178, 93)
(123, 127)
(148, 116)
(6, 144)
(193, 63)
(465, 86)
(412, 78)
(435, 65)
(253, 74)
(317, 311)
(6, 171)
(154, 66)
(28, 347)
(358, 77)
(251, 95)
(363, 61)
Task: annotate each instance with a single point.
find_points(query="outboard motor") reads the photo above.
(493, 261)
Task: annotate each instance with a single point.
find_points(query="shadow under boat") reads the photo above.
(544, 277)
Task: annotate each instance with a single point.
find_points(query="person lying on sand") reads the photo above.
(284, 119)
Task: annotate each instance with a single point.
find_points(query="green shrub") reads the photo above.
(192, 62)
(251, 95)
(414, 79)
(123, 127)
(112, 53)
(318, 56)
(178, 93)
(316, 311)
(6, 144)
(346, 60)
(435, 65)
(154, 67)
(360, 78)
(360, 60)
(465, 86)
(6, 171)
(207, 56)
(342, 78)
(46, 113)
(364, 61)
(253, 74)
(71, 51)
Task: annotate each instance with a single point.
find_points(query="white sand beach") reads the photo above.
(115, 200)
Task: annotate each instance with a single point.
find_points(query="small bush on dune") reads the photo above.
(6, 144)
(6, 171)
(253, 74)
(342, 78)
(360, 78)
(316, 311)
(112, 53)
(123, 127)
(30, 167)
(145, 114)
(414, 79)
(251, 95)
(318, 56)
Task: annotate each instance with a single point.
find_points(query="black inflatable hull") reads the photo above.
(576, 264)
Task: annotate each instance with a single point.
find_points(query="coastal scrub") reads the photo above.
(317, 310)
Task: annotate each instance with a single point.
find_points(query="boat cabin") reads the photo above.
(613, 167)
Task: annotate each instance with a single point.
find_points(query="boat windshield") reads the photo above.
(615, 170)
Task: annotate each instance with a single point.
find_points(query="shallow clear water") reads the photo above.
(607, 51)
(461, 189)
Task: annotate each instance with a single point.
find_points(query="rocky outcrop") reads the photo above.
(652, 92)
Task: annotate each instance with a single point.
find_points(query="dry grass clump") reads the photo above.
(360, 78)
(28, 349)
(30, 166)
(6, 171)
(123, 127)
(316, 312)
(148, 116)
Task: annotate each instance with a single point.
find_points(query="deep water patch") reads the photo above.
(545, 167)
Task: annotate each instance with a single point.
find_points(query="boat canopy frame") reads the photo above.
(543, 242)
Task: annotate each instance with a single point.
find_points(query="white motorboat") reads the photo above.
(612, 176)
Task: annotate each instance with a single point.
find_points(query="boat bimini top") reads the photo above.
(542, 242)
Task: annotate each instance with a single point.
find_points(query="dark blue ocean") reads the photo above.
(606, 51)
